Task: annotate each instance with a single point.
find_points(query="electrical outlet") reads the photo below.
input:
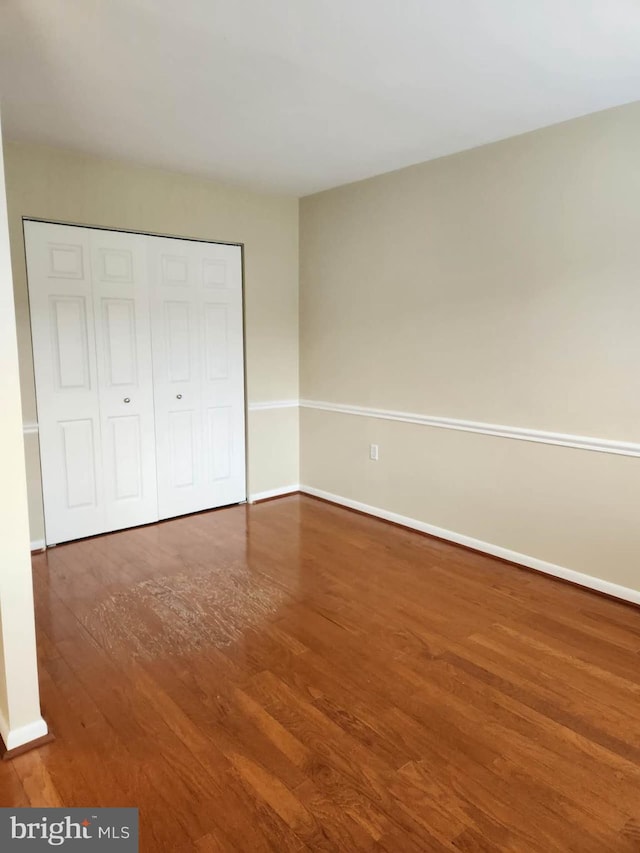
(373, 452)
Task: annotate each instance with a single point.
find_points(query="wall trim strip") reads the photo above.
(14, 738)
(32, 426)
(280, 492)
(273, 404)
(587, 581)
(581, 442)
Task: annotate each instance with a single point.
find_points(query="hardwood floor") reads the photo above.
(293, 676)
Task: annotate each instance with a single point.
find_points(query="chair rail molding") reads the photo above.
(580, 442)
(272, 404)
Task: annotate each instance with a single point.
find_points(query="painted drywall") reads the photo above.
(279, 463)
(61, 185)
(499, 285)
(20, 718)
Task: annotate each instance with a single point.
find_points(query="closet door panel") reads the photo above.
(62, 321)
(176, 376)
(198, 374)
(220, 269)
(123, 345)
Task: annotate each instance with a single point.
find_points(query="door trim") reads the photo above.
(129, 231)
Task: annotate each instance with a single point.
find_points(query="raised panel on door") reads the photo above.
(178, 339)
(78, 446)
(124, 457)
(125, 374)
(216, 341)
(69, 333)
(183, 427)
(62, 320)
(220, 442)
(120, 342)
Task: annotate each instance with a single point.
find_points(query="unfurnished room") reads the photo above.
(320, 426)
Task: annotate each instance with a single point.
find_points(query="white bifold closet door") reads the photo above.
(92, 359)
(115, 341)
(198, 364)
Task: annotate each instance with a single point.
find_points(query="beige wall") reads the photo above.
(60, 185)
(20, 719)
(498, 285)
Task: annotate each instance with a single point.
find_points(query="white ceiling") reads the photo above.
(300, 95)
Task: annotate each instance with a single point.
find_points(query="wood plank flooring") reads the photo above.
(292, 676)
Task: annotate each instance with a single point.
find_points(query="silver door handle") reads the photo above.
(178, 396)
(127, 399)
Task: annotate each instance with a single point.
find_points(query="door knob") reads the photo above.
(127, 399)
(178, 396)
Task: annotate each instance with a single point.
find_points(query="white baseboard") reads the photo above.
(13, 738)
(273, 493)
(588, 581)
(38, 544)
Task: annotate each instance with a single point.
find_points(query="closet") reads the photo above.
(139, 367)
